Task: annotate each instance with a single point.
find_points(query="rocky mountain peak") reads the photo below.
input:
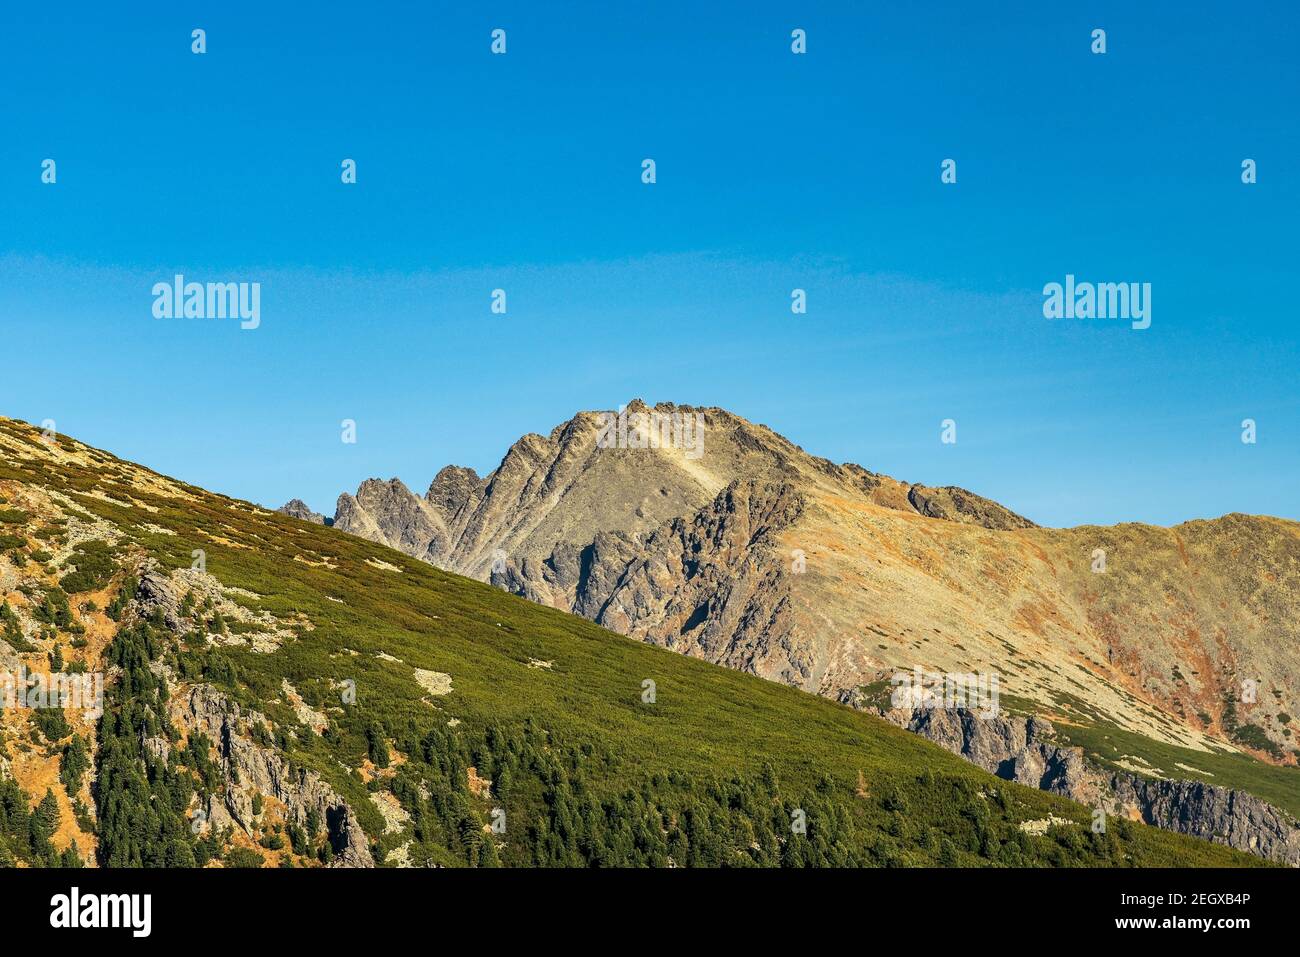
(451, 488)
(297, 508)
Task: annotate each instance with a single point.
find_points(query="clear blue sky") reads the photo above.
(775, 171)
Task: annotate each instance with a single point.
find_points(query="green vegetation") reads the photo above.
(242, 857)
(125, 593)
(571, 812)
(11, 631)
(51, 723)
(25, 835)
(54, 609)
(1253, 736)
(140, 800)
(95, 568)
(74, 765)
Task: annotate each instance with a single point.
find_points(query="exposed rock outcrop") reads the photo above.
(958, 505)
(1010, 747)
(164, 594)
(1222, 815)
(249, 769)
(451, 490)
(297, 508)
(391, 514)
(716, 588)
(1021, 750)
(157, 593)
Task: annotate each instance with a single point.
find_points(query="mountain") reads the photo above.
(298, 509)
(278, 691)
(1182, 643)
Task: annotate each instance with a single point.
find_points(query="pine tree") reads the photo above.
(76, 761)
(42, 825)
(376, 746)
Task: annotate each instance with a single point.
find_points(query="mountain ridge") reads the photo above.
(860, 575)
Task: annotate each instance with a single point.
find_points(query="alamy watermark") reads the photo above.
(36, 690)
(652, 430)
(1102, 300)
(179, 299)
(75, 910)
(928, 691)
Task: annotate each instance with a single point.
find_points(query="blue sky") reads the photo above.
(775, 171)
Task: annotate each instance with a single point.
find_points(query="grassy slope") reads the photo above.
(706, 721)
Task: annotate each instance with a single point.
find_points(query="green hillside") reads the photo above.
(547, 707)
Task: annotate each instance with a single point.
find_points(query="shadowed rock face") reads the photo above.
(1230, 817)
(1013, 748)
(711, 587)
(958, 505)
(759, 556)
(715, 588)
(1021, 750)
(451, 489)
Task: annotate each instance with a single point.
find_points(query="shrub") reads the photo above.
(54, 609)
(1253, 736)
(51, 723)
(11, 631)
(242, 857)
(95, 567)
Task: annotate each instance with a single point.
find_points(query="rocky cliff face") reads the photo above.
(248, 769)
(754, 554)
(1021, 750)
(713, 587)
(1012, 748)
(388, 512)
(716, 587)
(1230, 817)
